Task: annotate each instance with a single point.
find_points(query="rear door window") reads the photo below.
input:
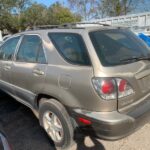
(71, 47)
(31, 50)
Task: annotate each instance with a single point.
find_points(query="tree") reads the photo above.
(58, 14)
(6, 5)
(92, 9)
(34, 15)
(9, 22)
(10, 11)
(86, 8)
(117, 7)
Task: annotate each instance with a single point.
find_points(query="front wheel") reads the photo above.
(56, 122)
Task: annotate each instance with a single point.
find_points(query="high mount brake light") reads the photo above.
(110, 88)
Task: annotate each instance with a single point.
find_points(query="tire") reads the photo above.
(52, 108)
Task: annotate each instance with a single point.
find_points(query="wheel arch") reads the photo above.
(42, 95)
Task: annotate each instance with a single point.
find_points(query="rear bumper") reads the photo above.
(114, 125)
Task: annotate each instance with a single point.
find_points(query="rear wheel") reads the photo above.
(56, 122)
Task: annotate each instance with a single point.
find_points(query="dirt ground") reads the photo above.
(24, 133)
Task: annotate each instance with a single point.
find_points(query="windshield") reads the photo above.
(114, 45)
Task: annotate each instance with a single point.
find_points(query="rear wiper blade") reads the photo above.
(135, 58)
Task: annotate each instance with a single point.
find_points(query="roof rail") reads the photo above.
(75, 25)
(66, 25)
(42, 27)
(98, 23)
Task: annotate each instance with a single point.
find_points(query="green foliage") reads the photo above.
(17, 15)
(58, 14)
(10, 14)
(34, 15)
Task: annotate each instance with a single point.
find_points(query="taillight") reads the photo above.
(122, 85)
(124, 88)
(106, 88)
(110, 88)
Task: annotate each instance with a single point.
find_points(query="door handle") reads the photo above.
(38, 72)
(7, 67)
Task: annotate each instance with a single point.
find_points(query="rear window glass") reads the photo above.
(115, 45)
(71, 47)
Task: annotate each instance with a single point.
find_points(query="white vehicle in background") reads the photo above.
(2, 39)
(6, 37)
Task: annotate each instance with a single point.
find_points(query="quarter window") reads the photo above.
(71, 47)
(41, 56)
(8, 48)
(31, 50)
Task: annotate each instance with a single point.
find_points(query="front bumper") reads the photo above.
(114, 125)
